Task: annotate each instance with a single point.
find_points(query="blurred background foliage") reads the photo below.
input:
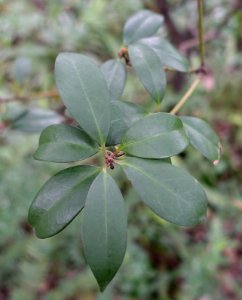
(163, 261)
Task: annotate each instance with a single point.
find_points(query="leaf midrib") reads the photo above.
(151, 72)
(201, 135)
(113, 72)
(155, 181)
(105, 216)
(125, 145)
(81, 145)
(68, 192)
(87, 100)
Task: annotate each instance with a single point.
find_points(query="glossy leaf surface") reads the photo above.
(115, 75)
(60, 200)
(167, 54)
(142, 24)
(202, 137)
(84, 92)
(123, 116)
(157, 135)
(169, 191)
(64, 143)
(104, 229)
(148, 68)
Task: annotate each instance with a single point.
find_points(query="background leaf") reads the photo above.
(115, 74)
(169, 191)
(202, 137)
(142, 24)
(34, 120)
(104, 229)
(157, 135)
(148, 68)
(64, 143)
(84, 91)
(60, 200)
(123, 116)
(167, 54)
(22, 69)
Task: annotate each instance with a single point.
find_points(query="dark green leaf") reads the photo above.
(60, 200)
(167, 54)
(203, 138)
(34, 120)
(64, 143)
(115, 75)
(123, 116)
(148, 68)
(169, 191)
(84, 91)
(104, 229)
(158, 135)
(142, 24)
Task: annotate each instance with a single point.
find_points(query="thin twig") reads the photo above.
(202, 69)
(200, 31)
(186, 96)
(34, 96)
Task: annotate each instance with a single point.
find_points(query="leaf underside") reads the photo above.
(202, 137)
(149, 69)
(115, 75)
(142, 24)
(167, 54)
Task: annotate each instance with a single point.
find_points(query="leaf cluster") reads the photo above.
(119, 134)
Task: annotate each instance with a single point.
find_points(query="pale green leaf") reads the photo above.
(34, 120)
(167, 54)
(140, 25)
(203, 138)
(148, 68)
(115, 75)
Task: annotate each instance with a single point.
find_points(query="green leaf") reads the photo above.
(64, 143)
(157, 135)
(34, 120)
(60, 200)
(140, 25)
(203, 138)
(169, 191)
(22, 69)
(84, 91)
(148, 68)
(123, 116)
(115, 75)
(167, 54)
(104, 229)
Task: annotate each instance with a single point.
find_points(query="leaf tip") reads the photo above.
(35, 155)
(102, 287)
(216, 161)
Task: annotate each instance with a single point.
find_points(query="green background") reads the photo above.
(162, 261)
